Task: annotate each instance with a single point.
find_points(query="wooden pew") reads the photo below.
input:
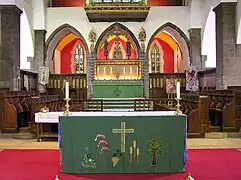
(222, 110)
(16, 111)
(196, 109)
(237, 90)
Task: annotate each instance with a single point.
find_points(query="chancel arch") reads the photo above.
(117, 55)
(173, 47)
(124, 36)
(66, 51)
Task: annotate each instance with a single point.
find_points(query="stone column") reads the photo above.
(227, 67)
(10, 47)
(39, 53)
(91, 57)
(195, 48)
(145, 73)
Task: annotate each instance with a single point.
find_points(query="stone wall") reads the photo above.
(39, 54)
(195, 48)
(10, 47)
(227, 66)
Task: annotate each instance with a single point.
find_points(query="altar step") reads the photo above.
(122, 105)
(118, 105)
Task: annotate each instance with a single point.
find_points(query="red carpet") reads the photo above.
(209, 164)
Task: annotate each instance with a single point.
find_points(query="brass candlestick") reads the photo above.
(178, 111)
(67, 106)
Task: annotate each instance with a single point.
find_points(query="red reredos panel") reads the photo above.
(79, 3)
(165, 2)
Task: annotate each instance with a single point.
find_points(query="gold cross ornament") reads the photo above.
(123, 131)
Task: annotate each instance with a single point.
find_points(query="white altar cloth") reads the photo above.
(53, 117)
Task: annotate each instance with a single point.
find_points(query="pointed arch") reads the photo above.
(180, 39)
(209, 40)
(56, 36)
(167, 27)
(104, 34)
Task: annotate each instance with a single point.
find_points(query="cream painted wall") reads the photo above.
(195, 8)
(77, 18)
(208, 32)
(39, 14)
(26, 42)
(209, 40)
(18, 3)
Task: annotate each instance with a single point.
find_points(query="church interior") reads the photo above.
(165, 72)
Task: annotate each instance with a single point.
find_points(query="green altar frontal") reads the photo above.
(123, 142)
(117, 89)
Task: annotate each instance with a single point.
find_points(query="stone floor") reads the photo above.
(9, 143)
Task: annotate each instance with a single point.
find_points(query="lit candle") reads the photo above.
(66, 90)
(98, 70)
(178, 90)
(111, 70)
(130, 69)
(104, 70)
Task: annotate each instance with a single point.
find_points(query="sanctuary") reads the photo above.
(120, 83)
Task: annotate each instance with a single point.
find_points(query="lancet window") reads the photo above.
(155, 59)
(79, 59)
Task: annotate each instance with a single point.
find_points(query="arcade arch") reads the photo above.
(173, 48)
(66, 51)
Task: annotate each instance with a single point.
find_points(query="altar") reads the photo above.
(117, 79)
(117, 71)
(123, 142)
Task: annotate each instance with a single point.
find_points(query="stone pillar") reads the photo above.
(145, 72)
(10, 47)
(90, 71)
(227, 67)
(39, 53)
(195, 48)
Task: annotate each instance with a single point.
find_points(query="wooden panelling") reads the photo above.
(78, 85)
(157, 83)
(28, 81)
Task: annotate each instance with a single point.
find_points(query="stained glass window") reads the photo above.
(155, 59)
(79, 59)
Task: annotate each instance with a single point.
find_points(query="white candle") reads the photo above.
(124, 69)
(178, 90)
(130, 69)
(98, 70)
(66, 90)
(104, 70)
(111, 70)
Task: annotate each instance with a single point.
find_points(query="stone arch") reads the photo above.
(209, 39)
(132, 37)
(179, 36)
(56, 37)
